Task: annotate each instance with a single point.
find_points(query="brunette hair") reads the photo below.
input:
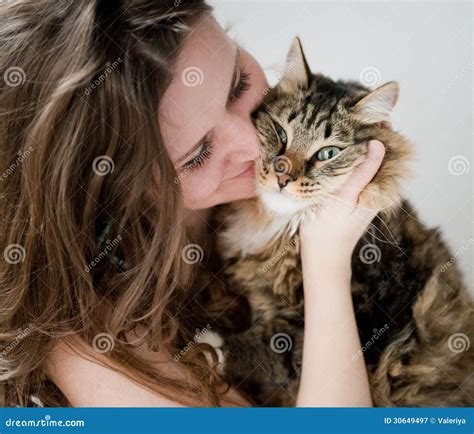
(80, 144)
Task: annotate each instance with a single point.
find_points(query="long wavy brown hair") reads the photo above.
(80, 145)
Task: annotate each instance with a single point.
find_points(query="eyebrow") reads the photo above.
(196, 146)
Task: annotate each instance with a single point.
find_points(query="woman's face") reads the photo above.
(205, 117)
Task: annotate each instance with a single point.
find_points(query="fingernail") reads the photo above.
(375, 149)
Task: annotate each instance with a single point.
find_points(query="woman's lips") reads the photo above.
(249, 171)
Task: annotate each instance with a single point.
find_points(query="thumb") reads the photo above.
(364, 172)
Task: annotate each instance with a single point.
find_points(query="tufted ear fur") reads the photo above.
(296, 73)
(378, 104)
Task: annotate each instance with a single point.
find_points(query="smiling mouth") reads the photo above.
(248, 171)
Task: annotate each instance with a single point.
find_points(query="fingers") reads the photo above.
(364, 172)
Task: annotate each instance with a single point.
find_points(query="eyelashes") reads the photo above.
(201, 158)
(207, 147)
(242, 87)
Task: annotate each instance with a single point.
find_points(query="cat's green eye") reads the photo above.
(281, 133)
(327, 153)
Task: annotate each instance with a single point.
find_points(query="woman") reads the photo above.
(140, 116)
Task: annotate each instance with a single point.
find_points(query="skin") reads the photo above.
(329, 377)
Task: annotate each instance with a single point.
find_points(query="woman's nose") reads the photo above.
(240, 135)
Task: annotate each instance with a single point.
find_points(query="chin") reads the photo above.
(280, 202)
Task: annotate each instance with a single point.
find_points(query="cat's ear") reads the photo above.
(296, 73)
(378, 104)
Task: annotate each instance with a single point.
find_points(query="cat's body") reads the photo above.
(408, 296)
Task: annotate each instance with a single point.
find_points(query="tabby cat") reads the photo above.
(414, 315)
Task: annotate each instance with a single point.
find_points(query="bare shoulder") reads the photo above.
(86, 380)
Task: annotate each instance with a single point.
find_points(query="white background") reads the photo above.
(425, 46)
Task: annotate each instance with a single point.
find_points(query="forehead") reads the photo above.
(195, 99)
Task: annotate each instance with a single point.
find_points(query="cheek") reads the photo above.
(199, 186)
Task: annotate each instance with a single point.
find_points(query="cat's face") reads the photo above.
(314, 131)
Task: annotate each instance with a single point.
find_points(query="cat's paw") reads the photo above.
(216, 341)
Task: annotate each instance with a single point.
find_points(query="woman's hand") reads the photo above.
(330, 376)
(335, 229)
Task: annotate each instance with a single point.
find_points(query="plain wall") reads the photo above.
(426, 47)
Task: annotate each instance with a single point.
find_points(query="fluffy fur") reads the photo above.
(409, 298)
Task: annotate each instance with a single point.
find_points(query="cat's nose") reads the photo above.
(284, 179)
